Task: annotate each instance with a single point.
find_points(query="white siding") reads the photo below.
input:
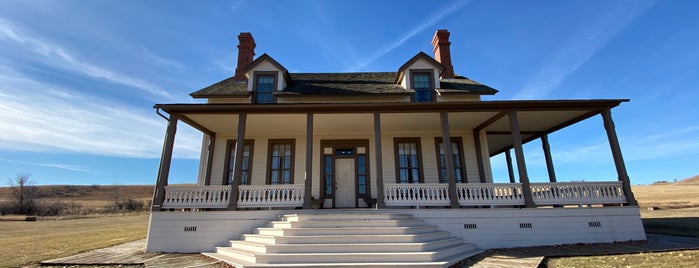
(457, 97)
(421, 64)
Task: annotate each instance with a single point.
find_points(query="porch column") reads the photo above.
(479, 154)
(309, 162)
(379, 162)
(210, 158)
(449, 159)
(238, 165)
(521, 165)
(547, 155)
(618, 158)
(510, 170)
(165, 160)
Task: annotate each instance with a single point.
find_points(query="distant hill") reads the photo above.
(87, 195)
(689, 181)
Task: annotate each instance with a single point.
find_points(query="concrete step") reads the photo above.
(345, 223)
(345, 247)
(237, 263)
(347, 230)
(336, 239)
(345, 216)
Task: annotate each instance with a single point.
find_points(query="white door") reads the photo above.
(344, 179)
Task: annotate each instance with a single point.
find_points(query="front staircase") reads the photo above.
(346, 240)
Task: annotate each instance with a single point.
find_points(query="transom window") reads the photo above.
(281, 162)
(456, 149)
(247, 161)
(408, 162)
(264, 87)
(422, 84)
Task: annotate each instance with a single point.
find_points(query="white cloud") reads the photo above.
(64, 166)
(581, 47)
(406, 36)
(46, 118)
(59, 57)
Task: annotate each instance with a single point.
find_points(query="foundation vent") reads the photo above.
(525, 225)
(470, 226)
(594, 224)
(190, 228)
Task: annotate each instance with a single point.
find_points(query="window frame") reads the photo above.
(430, 74)
(255, 92)
(230, 144)
(270, 147)
(416, 140)
(462, 161)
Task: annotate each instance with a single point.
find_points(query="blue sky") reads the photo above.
(78, 78)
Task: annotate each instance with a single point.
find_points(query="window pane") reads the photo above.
(264, 89)
(421, 81)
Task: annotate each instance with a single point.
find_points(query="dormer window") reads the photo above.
(265, 83)
(422, 84)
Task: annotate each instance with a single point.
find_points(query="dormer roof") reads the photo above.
(401, 71)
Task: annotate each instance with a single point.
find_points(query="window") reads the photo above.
(265, 83)
(281, 162)
(247, 161)
(422, 84)
(456, 149)
(408, 162)
(362, 186)
(328, 176)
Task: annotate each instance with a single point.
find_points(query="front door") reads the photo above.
(345, 179)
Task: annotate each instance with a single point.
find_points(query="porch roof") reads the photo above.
(536, 117)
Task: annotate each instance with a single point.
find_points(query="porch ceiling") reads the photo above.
(536, 118)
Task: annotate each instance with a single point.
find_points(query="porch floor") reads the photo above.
(131, 253)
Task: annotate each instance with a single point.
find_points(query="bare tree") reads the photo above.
(25, 192)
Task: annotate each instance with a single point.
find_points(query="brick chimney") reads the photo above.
(246, 52)
(441, 43)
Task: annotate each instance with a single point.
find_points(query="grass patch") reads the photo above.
(675, 259)
(672, 226)
(27, 243)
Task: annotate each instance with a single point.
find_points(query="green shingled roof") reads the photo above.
(342, 84)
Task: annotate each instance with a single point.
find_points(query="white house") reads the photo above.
(376, 168)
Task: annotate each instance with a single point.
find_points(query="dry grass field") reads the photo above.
(24, 243)
(666, 208)
(90, 198)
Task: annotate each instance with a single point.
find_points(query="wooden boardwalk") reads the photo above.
(131, 254)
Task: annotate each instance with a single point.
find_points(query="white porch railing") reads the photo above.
(578, 193)
(485, 194)
(416, 194)
(284, 195)
(509, 194)
(197, 196)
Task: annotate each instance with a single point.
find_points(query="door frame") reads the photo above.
(344, 144)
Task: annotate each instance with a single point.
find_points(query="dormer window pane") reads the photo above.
(264, 87)
(422, 84)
